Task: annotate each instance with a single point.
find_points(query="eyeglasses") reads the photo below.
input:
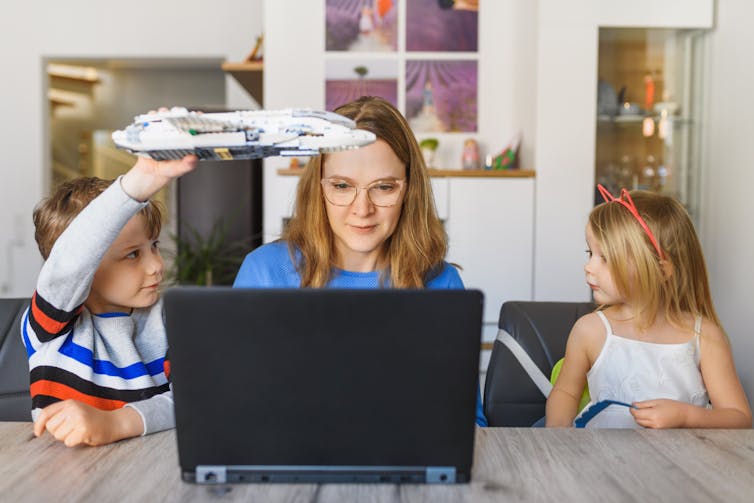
(625, 200)
(382, 193)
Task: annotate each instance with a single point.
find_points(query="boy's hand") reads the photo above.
(76, 423)
(662, 413)
(148, 176)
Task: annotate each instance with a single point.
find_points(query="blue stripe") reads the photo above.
(588, 414)
(29, 349)
(86, 356)
(111, 315)
(156, 367)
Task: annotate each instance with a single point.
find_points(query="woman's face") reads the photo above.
(361, 228)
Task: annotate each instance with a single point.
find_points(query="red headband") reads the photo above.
(625, 200)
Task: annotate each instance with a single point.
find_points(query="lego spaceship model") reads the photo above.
(247, 134)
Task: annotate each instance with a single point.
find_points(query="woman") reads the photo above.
(363, 218)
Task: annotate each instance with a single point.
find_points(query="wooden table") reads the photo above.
(512, 464)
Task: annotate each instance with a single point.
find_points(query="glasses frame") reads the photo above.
(625, 200)
(400, 181)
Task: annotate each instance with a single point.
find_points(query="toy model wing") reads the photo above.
(248, 134)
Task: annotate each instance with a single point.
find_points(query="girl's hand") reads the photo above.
(661, 413)
(148, 176)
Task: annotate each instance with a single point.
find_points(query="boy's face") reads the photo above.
(129, 274)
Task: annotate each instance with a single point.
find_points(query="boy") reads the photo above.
(94, 332)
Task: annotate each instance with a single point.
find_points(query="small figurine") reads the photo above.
(470, 156)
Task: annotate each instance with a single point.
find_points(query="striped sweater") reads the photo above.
(106, 360)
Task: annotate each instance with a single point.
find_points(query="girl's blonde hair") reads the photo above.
(676, 285)
(416, 249)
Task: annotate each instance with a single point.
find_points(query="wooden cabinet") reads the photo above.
(490, 226)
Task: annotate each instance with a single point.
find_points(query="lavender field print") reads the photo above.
(349, 79)
(442, 25)
(361, 25)
(441, 96)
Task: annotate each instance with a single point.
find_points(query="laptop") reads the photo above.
(324, 385)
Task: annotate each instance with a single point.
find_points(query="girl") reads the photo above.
(363, 218)
(655, 342)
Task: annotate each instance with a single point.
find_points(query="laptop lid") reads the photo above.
(324, 385)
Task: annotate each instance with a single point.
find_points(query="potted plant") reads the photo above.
(207, 260)
(428, 147)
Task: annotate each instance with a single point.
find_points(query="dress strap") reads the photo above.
(608, 328)
(697, 335)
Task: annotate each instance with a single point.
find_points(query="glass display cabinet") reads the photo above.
(649, 112)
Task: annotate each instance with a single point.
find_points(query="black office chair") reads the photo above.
(511, 397)
(15, 402)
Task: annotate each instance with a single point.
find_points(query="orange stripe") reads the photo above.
(63, 392)
(48, 324)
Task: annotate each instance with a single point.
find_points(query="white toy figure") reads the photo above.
(247, 134)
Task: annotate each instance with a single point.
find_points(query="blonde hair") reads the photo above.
(676, 285)
(415, 251)
(53, 214)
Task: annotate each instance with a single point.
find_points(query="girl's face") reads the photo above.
(362, 228)
(598, 275)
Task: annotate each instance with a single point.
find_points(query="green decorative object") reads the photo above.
(361, 71)
(429, 143)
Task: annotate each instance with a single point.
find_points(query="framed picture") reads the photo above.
(442, 25)
(441, 95)
(348, 79)
(361, 25)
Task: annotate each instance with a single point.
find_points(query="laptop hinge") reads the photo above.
(210, 474)
(441, 475)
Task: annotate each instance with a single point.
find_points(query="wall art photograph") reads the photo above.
(442, 25)
(441, 96)
(361, 25)
(348, 79)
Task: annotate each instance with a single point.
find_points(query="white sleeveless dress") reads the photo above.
(629, 371)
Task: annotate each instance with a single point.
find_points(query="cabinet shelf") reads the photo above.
(250, 75)
(636, 120)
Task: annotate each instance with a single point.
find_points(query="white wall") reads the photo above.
(728, 187)
(30, 31)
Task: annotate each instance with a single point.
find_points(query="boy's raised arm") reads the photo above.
(66, 277)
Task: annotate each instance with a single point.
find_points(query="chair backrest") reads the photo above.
(541, 328)
(15, 402)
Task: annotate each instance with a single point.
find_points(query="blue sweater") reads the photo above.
(270, 266)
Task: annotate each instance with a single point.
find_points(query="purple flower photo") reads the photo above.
(347, 80)
(441, 96)
(442, 25)
(361, 25)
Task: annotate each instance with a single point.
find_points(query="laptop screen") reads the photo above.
(324, 378)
